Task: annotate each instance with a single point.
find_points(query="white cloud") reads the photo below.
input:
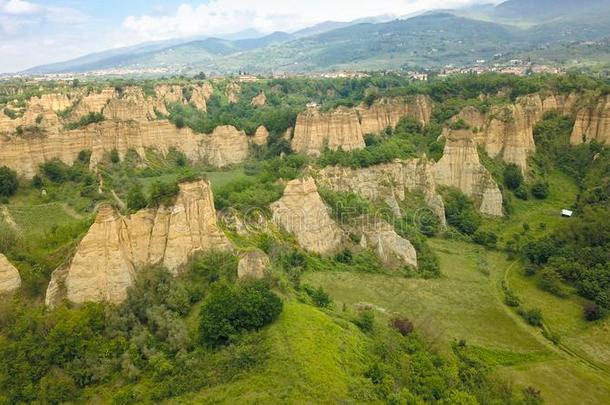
(229, 16)
(21, 7)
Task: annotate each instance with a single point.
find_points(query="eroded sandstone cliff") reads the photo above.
(593, 123)
(391, 183)
(225, 146)
(386, 113)
(337, 129)
(344, 128)
(460, 167)
(116, 247)
(507, 131)
(302, 213)
(10, 281)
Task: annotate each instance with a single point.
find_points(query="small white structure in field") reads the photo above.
(567, 213)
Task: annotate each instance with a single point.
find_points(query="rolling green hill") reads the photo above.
(432, 40)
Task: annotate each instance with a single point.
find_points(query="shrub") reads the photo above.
(522, 193)
(163, 193)
(540, 190)
(461, 213)
(8, 182)
(402, 325)
(554, 337)
(114, 156)
(231, 309)
(345, 256)
(136, 199)
(366, 321)
(532, 316)
(55, 170)
(484, 238)
(319, 297)
(551, 282)
(84, 157)
(511, 299)
(513, 177)
(91, 118)
(592, 312)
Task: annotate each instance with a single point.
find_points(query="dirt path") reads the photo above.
(560, 348)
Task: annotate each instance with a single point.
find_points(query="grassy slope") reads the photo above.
(466, 304)
(311, 359)
(562, 195)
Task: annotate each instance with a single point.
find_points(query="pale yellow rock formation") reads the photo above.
(10, 281)
(386, 113)
(199, 98)
(392, 250)
(593, 123)
(261, 136)
(233, 92)
(391, 183)
(226, 145)
(253, 265)
(170, 93)
(131, 106)
(316, 131)
(507, 131)
(344, 128)
(260, 100)
(207, 90)
(461, 168)
(116, 247)
(302, 213)
(55, 102)
(93, 102)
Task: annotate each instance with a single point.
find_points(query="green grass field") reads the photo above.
(534, 212)
(467, 304)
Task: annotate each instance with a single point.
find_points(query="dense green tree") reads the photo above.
(136, 200)
(513, 177)
(232, 309)
(8, 182)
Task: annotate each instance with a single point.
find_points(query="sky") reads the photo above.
(35, 32)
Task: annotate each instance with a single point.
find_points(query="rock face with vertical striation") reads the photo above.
(302, 213)
(460, 167)
(390, 182)
(116, 247)
(10, 281)
(593, 123)
(344, 128)
(507, 131)
(225, 146)
(337, 129)
(392, 250)
(386, 113)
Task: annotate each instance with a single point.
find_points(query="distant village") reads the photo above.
(516, 67)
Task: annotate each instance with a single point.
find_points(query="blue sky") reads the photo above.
(34, 32)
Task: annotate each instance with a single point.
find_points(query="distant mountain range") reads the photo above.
(431, 39)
